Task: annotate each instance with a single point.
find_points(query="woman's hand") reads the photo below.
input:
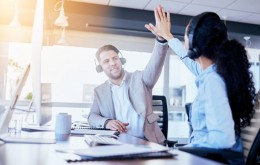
(162, 29)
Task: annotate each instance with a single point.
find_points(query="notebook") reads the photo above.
(124, 151)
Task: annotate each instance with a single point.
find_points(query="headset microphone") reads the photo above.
(184, 57)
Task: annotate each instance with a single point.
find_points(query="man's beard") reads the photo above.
(116, 77)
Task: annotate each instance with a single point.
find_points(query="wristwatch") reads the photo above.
(161, 41)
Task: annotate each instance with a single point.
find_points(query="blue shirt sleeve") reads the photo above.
(178, 48)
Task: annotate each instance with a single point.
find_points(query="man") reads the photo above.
(124, 101)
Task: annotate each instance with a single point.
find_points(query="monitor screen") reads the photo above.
(43, 113)
(6, 115)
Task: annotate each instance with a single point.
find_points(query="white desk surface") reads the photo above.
(45, 154)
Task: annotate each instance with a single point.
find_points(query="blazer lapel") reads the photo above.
(135, 94)
(108, 100)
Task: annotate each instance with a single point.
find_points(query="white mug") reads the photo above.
(63, 124)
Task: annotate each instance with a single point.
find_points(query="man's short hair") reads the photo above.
(105, 48)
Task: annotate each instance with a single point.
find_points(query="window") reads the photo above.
(16, 56)
(181, 83)
(71, 73)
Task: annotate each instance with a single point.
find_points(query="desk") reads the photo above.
(45, 154)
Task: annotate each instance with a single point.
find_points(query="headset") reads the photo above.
(122, 59)
(194, 52)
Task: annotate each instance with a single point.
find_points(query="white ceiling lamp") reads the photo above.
(62, 39)
(248, 44)
(225, 20)
(15, 21)
(62, 20)
(248, 41)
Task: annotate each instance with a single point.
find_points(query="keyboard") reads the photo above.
(92, 131)
(93, 140)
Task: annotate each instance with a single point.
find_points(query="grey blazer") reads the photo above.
(140, 85)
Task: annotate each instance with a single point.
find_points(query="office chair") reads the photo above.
(188, 111)
(160, 108)
(250, 136)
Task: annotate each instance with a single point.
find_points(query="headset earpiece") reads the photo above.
(193, 53)
(99, 68)
(123, 60)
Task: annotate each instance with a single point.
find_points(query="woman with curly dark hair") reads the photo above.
(226, 93)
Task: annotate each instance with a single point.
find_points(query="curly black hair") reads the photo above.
(232, 65)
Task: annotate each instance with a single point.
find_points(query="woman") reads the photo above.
(226, 93)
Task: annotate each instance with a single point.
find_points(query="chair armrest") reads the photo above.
(170, 143)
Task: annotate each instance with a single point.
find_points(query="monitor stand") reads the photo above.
(32, 127)
(36, 128)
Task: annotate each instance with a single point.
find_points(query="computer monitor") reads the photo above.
(6, 115)
(43, 114)
(43, 111)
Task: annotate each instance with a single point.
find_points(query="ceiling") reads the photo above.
(127, 17)
(245, 11)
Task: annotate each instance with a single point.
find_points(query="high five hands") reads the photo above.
(162, 29)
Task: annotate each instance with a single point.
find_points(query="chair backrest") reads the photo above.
(188, 112)
(250, 136)
(160, 108)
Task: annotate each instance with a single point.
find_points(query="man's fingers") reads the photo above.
(121, 125)
(163, 14)
(160, 15)
(168, 17)
(156, 15)
(151, 27)
(148, 27)
(126, 124)
(116, 127)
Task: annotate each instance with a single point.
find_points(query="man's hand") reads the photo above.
(163, 24)
(117, 125)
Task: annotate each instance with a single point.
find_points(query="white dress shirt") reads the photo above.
(124, 110)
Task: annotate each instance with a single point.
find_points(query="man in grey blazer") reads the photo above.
(124, 101)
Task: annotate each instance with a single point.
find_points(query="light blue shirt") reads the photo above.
(211, 116)
(124, 110)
